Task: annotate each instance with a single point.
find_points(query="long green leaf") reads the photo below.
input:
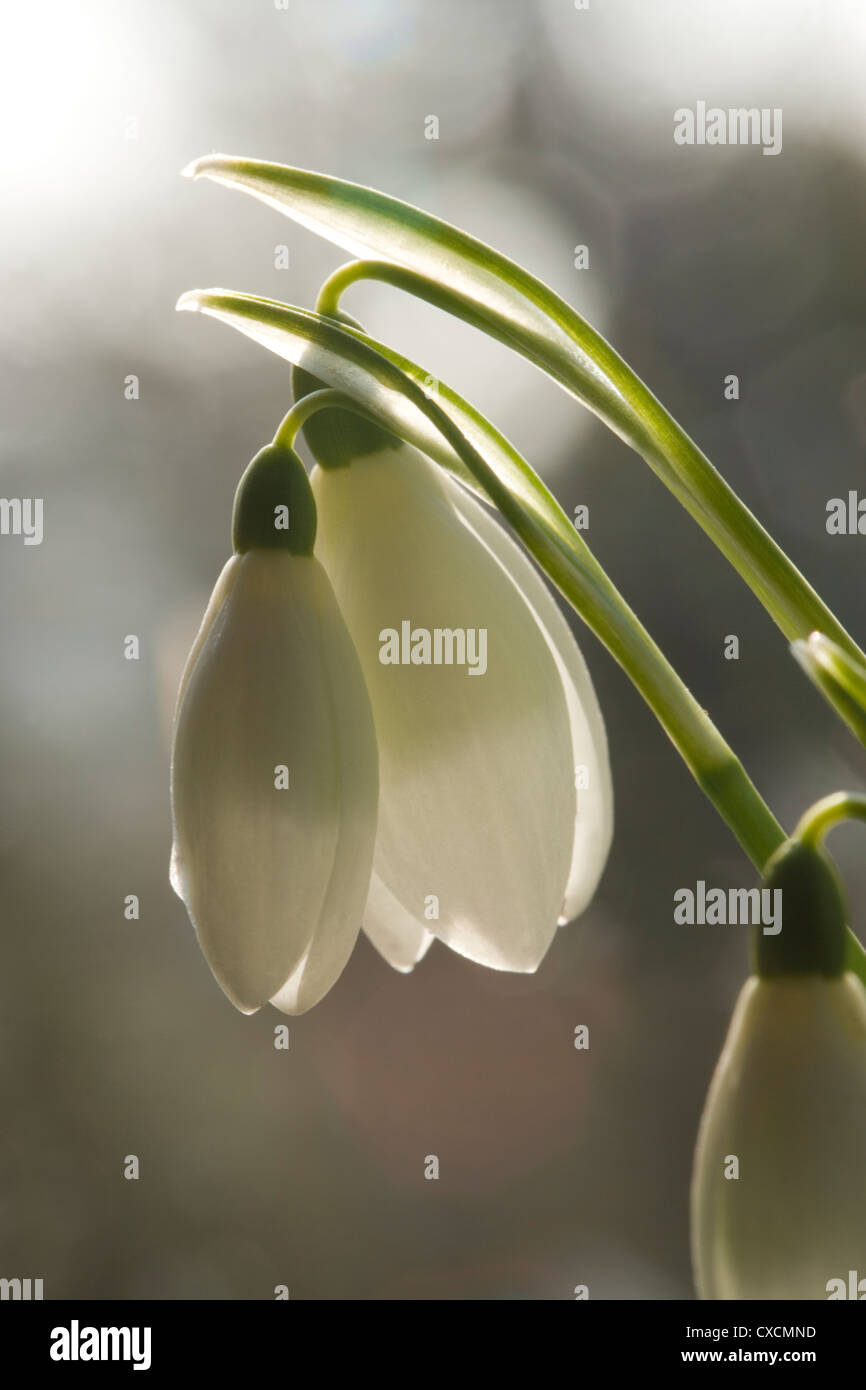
(490, 289)
(840, 680)
(470, 279)
(325, 350)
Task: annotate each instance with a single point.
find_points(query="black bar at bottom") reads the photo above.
(251, 1339)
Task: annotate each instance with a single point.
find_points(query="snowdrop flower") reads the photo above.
(779, 1184)
(274, 766)
(495, 810)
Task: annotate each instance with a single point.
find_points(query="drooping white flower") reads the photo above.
(495, 812)
(779, 1185)
(274, 765)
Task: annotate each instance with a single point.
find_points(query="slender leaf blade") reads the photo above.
(467, 278)
(374, 374)
(495, 292)
(841, 680)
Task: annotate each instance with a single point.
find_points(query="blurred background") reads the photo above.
(305, 1167)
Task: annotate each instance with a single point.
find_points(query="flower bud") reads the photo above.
(778, 1191)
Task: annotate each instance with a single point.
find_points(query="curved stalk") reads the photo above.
(817, 822)
(830, 811)
(634, 413)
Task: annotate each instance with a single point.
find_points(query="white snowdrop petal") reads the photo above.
(255, 863)
(221, 591)
(788, 1102)
(396, 934)
(593, 826)
(477, 799)
(354, 742)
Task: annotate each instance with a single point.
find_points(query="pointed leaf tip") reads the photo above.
(840, 679)
(195, 168)
(188, 300)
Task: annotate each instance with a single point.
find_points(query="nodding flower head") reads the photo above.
(274, 767)
(495, 813)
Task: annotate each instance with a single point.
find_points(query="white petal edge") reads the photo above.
(337, 930)
(396, 934)
(221, 591)
(593, 829)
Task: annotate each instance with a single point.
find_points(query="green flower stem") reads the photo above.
(580, 578)
(634, 413)
(827, 813)
(307, 406)
(817, 822)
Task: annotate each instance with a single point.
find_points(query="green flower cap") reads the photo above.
(274, 505)
(814, 915)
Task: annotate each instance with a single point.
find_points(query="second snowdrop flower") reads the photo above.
(495, 814)
(778, 1192)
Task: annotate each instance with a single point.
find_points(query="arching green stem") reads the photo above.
(820, 819)
(627, 405)
(303, 409)
(817, 822)
(589, 590)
